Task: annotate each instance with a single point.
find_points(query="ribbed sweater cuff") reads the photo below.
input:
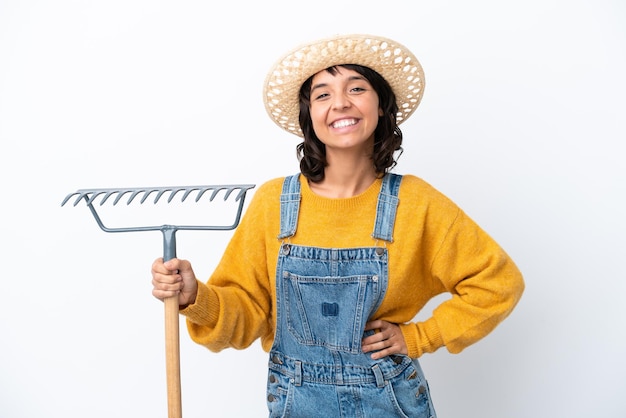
(205, 310)
(422, 337)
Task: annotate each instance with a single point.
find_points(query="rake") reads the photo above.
(98, 197)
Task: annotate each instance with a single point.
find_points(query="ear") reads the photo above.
(380, 112)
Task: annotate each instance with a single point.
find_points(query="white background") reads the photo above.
(522, 124)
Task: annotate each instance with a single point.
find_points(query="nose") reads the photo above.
(340, 101)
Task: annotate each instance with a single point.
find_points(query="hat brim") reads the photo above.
(389, 58)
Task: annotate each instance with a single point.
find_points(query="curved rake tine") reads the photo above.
(81, 197)
(242, 193)
(68, 198)
(147, 193)
(120, 194)
(228, 193)
(188, 192)
(132, 196)
(203, 191)
(174, 192)
(161, 192)
(94, 196)
(106, 196)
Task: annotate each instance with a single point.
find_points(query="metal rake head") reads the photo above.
(92, 194)
(98, 197)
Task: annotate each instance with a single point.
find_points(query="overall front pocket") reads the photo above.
(329, 311)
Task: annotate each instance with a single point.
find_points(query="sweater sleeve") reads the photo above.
(233, 308)
(461, 259)
(484, 283)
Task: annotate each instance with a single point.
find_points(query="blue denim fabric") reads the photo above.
(324, 298)
(387, 207)
(289, 206)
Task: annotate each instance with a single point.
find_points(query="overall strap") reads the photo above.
(387, 207)
(289, 206)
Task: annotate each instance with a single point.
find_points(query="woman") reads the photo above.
(329, 267)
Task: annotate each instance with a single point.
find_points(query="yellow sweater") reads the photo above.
(437, 248)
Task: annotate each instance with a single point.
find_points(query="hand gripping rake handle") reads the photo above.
(172, 336)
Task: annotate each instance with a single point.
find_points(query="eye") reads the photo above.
(357, 89)
(320, 96)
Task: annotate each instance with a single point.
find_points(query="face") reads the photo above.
(344, 109)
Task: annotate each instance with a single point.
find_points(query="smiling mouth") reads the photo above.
(344, 123)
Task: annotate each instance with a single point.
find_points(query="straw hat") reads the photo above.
(387, 57)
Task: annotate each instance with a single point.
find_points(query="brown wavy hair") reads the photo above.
(387, 135)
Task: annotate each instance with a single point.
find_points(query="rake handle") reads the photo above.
(172, 335)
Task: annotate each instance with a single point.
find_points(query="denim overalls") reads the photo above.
(324, 297)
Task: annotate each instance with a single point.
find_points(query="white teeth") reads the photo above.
(344, 122)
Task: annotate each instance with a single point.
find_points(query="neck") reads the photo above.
(346, 179)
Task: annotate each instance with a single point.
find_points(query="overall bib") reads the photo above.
(324, 297)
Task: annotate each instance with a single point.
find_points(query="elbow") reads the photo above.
(513, 289)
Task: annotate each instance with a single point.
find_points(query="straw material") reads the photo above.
(389, 58)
